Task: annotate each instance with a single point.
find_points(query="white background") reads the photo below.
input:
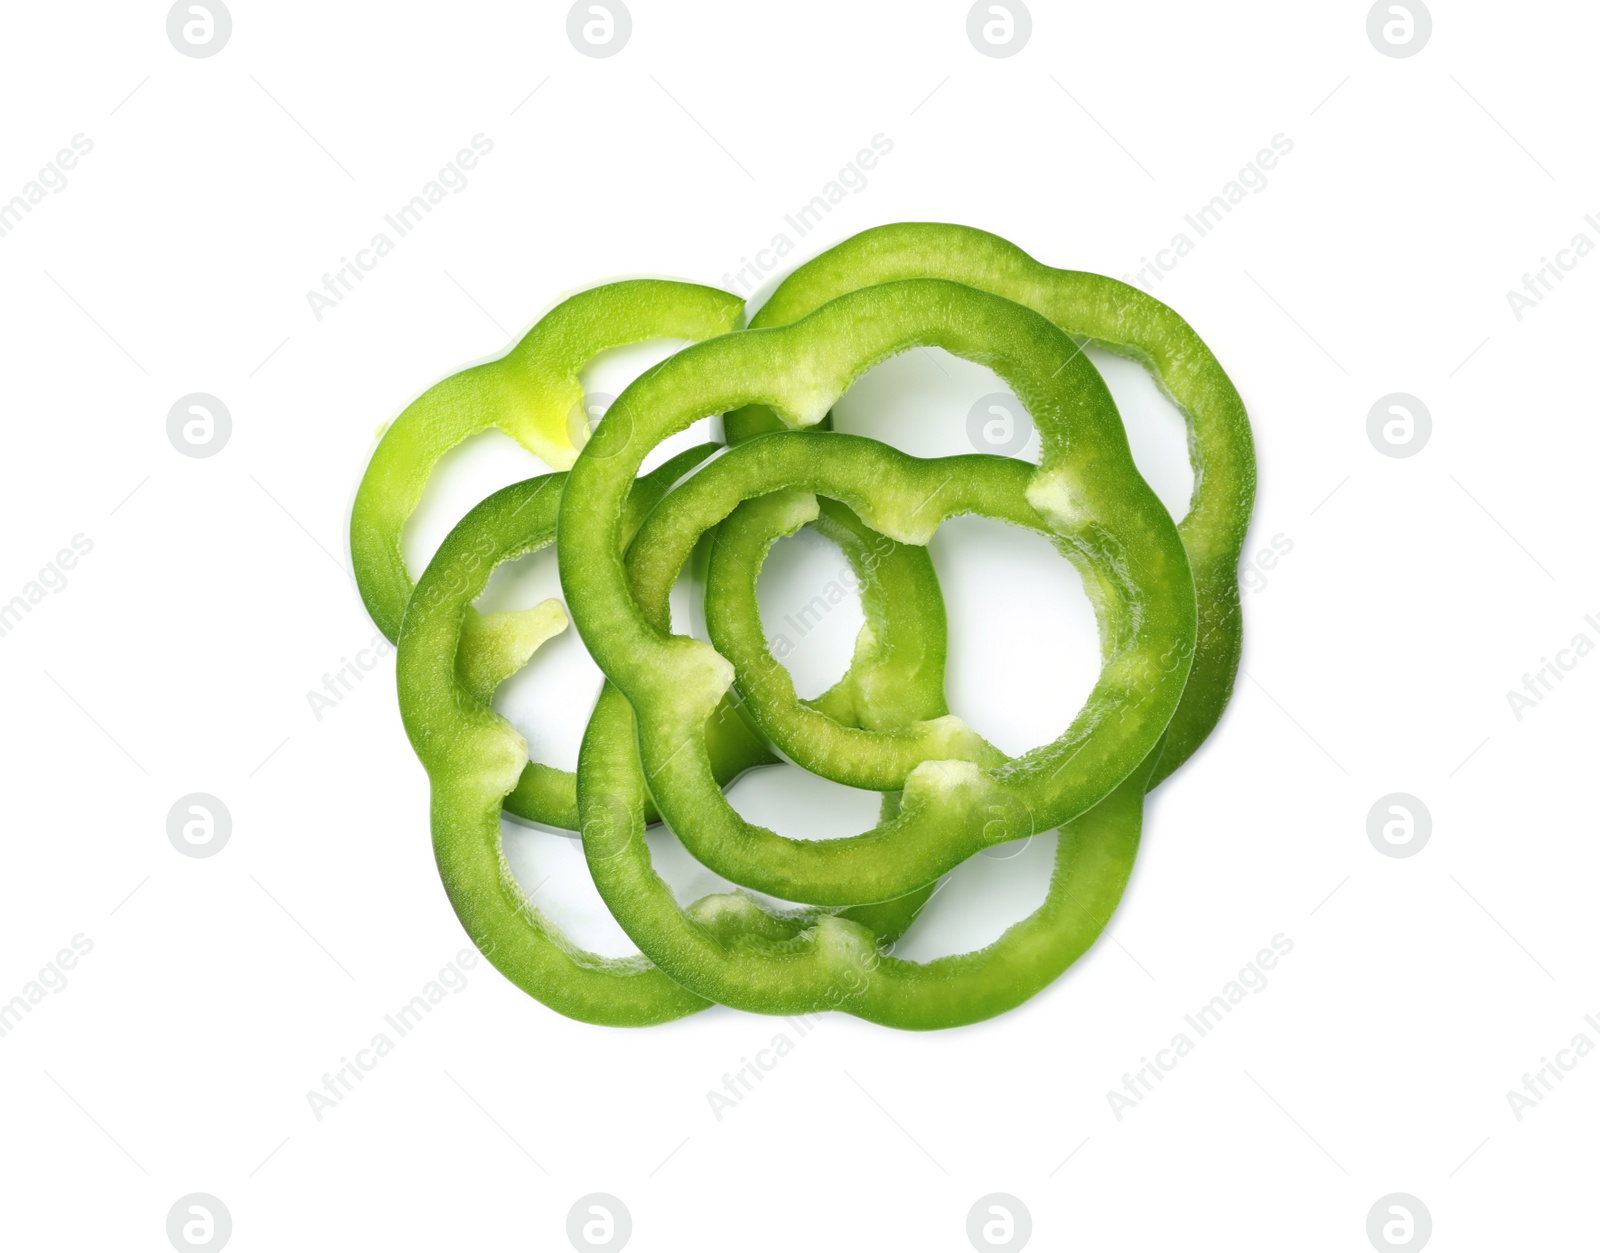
(178, 656)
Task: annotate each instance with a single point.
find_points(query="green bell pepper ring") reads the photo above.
(891, 743)
(950, 807)
(531, 394)
(474, 758)
(546, 794)
(729, 949)
(1090, 308)
(896, 673)
(1086, 494)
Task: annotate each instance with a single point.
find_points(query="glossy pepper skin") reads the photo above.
(1085, 477)
(533, 395)
(474, 758)
(729, 948)
(1123, 319)
(677, 719)
(1086, 495)
(732, 949)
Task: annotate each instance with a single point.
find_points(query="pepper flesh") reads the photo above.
(474, 758)
(1086, 494)
(1092, 309)
(886, 723)
(728, 948)
(533, 395)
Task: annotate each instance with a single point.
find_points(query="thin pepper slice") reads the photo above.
(1092, 309)
(904, 637)
(1086, 494)
(474, 759)
(728, 948)
(950, 808)
(895, 676)
(533, 395)
(547, 794)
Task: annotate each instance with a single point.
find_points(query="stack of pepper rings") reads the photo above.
(678, 718)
